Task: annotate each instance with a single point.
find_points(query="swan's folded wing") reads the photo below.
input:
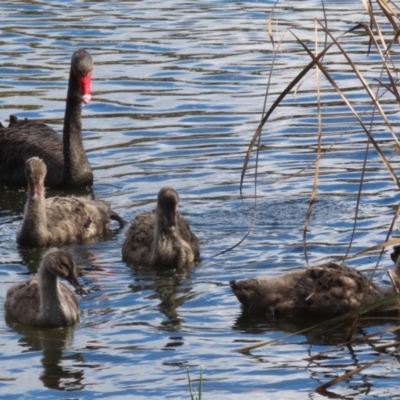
(24, 139)
(23, 301)
(73, 219)
(139, 239)
(187, 235)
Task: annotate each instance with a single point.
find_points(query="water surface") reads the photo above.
(178, 91)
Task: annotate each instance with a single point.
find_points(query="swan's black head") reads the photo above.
(35, 172)
(167, 207)
(60, 263)
(82, 67)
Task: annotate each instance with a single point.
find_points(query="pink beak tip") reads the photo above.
(86, 98)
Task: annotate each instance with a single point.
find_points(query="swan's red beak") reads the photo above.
(85, 87)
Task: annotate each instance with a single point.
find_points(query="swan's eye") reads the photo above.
(65, 268)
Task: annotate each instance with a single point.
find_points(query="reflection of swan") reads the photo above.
(162, 237)
(255, 323)
(65, 158)
(327, 290)
(167, 286)
(43, 301)
(53, 342)
(58, 220)
(311, 332)
(31, 257)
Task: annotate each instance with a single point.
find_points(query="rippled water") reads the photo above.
(178, 90)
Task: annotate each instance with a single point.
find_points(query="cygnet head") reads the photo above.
(35, 172)
(82, 66)
(60, 263)
(167, 207)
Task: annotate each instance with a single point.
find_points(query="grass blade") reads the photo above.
(322, 388)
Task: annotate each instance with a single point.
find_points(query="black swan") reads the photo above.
(161, 237)
(42, 301)
(322, 291)
(59, 220)
(65, 158)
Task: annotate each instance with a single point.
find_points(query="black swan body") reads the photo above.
(322, 291)
(65, 158)
(59, 220)
(42, 301)
(161, 237)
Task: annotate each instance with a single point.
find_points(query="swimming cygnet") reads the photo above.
(324, 291)
(161, 237)
(42, 301)
(59, 220)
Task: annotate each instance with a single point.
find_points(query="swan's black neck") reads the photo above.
(77, 171)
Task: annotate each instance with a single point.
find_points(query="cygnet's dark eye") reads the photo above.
(64, 268)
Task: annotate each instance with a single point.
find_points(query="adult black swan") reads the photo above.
(66, 160)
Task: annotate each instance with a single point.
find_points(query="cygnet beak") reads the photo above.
(171, 221)
(74, 282)
(35, 189)
(171, 228)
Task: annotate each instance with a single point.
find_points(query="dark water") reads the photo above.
(178, 90)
